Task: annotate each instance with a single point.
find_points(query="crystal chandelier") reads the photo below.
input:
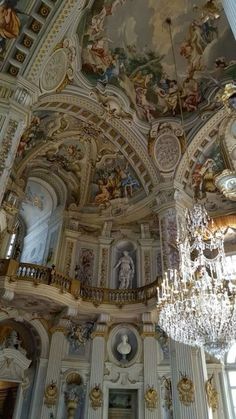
(197, 305)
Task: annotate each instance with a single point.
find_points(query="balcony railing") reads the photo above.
(38, 274)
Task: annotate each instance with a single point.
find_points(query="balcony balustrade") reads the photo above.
(37, 274)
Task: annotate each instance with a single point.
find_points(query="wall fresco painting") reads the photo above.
(127, 44)
(13, 16)
(203, 181)
(113, 180)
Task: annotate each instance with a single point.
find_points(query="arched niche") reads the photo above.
(119, 247)
(19, 357)
(73, 391)
(38, 212)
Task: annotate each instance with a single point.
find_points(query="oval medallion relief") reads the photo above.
(167, 152)
(54, 71)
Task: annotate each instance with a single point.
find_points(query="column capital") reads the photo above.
(102, 325)
(169, 195)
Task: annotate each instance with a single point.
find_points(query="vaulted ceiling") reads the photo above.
(109, 108)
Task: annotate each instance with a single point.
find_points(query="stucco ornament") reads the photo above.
(212, 395)
(151, 398)
(96, 397)
(228, 98)
(51, 394)
(186, 390)
(165, 144)
(59, 68)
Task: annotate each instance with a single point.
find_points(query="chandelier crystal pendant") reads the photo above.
(197, 304)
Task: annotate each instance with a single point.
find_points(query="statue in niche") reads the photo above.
(12, 341)
(124, 348)
(126, 271)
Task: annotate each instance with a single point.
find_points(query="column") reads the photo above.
(97, 364)
(150, 362)
(230, 11)
(190, 362)
(58, 350)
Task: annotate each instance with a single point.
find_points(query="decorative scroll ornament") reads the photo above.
(96, 397)
(185, 389)
(51, 394)
(151, 398)
(212, 395)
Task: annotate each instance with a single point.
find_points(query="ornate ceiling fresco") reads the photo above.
(22, 23)
(98, 176)
(107, 116)
(127, 44)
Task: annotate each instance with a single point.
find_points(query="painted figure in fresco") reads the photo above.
(167, 96)
(28, 138)
(190, 96)
(9, 22)
(145, 107)
(103, 195)
(126, 271)
(115, 183)
(203, 178)
(112, 71)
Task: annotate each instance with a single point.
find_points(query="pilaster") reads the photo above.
(104, 261)
(150, 362)
(58, 350)
(189, 362)
(97, 363)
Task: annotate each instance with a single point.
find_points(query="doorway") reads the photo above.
(123, 404)
(8, 393)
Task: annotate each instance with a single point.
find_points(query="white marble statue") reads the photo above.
(124, 348)
(126, 271)
(12, 341)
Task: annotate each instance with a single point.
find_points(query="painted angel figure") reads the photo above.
(9, 21)
(126, 271)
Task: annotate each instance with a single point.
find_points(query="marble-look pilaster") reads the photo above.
(104, 262)
(58, 350)
(146, 261)
(190, 362)
(97, 363)
(150, 362)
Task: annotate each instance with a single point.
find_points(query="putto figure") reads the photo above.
(126, 271)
